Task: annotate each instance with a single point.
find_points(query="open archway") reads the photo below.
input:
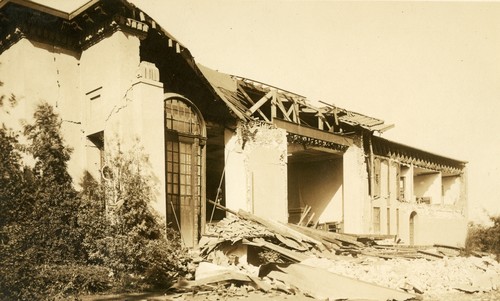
(413, 216)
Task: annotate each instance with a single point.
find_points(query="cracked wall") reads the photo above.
(256, 171)
(36, 72)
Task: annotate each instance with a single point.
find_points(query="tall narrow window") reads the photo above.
(388, 221)
(183, 134)
(377, 177)
(397, 221)
(376, 220)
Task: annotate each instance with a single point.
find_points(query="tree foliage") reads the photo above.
(484, 239)
(51, 226)
(56, 241)
(134, 244)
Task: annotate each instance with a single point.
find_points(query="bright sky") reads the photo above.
(431, 68)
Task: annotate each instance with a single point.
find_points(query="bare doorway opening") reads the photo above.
(412, 228)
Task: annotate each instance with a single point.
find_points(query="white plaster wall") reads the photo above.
(36, 72)
(451, 188)
(433, 225)
(428, 185)
(256, 175)
(441, 228)
(319, 185)
(145, 119)
(392, 199)
(357, 208)
(384, 179)
(111, 64)
(235, 173)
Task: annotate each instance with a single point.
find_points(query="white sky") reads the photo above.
(431, 68)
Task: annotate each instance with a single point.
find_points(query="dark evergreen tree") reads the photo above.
(52, 236)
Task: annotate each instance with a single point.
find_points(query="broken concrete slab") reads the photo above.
(322, 284)
(208, 273)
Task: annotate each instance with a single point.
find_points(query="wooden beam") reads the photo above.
(273, 105)
(291, 111)
(320, 122)
(312, 132)
(260, 103)
(296, 111)
(282, 108)
(250, 100)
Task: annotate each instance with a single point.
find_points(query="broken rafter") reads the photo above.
(260, 103)
(282, 108)
(281, 229)
(250, 100)
(328, 236)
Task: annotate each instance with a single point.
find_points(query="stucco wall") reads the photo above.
(428, 185)
(357, 207)
(451, 190)
(433, 225)
(256, 174)
(97, 90)
(112, 66)
(36, 73)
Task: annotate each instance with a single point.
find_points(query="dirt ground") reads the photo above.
(258, 296)
(212, 296)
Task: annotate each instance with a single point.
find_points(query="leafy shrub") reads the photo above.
(55, 282)
(134, 244)
(484, 239)
(56, 242)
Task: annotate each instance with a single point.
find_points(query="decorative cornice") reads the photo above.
(98, 21)
(309, 141)
(416, 157)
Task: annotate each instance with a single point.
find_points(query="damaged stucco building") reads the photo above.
(116, 77)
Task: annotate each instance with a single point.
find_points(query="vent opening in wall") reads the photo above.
(149, 71)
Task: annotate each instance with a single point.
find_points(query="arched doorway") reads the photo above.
(412, 227)
(185, 136)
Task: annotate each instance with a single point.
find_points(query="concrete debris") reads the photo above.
(325, 285)
(298, 260)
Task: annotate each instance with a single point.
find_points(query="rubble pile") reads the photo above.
(325, 265)
(422, 276)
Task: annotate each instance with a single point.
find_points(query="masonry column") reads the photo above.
(355, 192)
(147, 128)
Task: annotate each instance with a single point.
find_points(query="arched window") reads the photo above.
(184, 134)
(180, 117)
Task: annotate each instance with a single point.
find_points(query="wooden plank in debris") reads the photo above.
(292, 244)
(278, 228)
(295, 256)
(373, 236)
(449, 251)
(374, 254)
(430, 253)
(322, 284)
(222, 207)
(448, 247)
(328, 236)
(304, 214)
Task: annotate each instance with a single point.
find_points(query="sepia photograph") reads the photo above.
(249, 150)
